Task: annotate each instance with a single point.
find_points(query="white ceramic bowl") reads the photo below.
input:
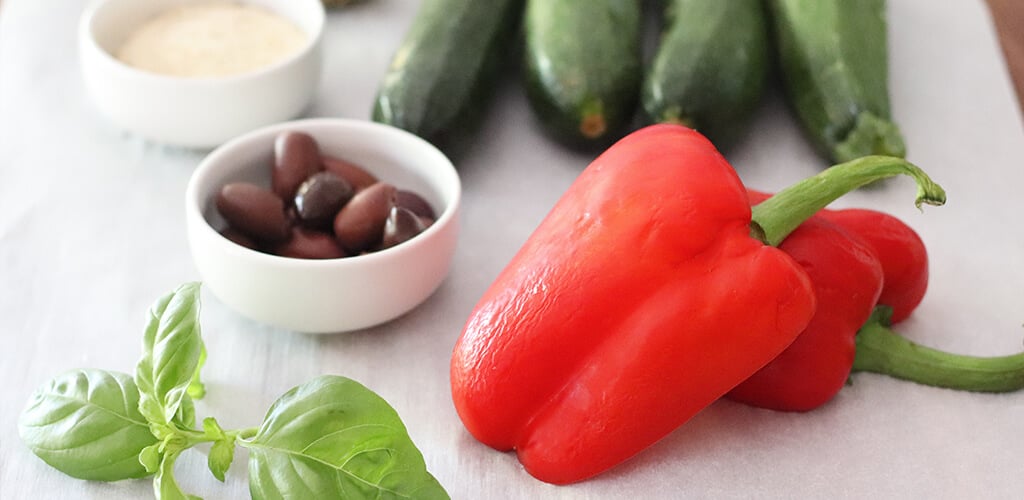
(194, 112)
(334, 295)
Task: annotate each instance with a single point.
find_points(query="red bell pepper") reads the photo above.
(848, 254)
(639, 300)
(881, 350)
(899, 249)
(847, 280)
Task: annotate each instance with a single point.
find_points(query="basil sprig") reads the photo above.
(328, 438)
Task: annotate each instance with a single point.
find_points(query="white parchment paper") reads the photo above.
(92, 231)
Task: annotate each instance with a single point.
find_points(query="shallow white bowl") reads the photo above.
(334, 295)
(194, 112)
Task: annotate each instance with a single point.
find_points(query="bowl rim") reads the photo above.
(88, 39)
(194, 205)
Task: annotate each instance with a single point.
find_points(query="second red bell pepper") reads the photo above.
(639, 300)
(900, 251)
(847, 280)
(847, 253)
(856, 259)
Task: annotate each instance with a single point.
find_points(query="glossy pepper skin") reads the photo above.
(899, 249)
(856, 259)
(638, 301)
(847, 280)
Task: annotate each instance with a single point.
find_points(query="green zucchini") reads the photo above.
(710, 67)
(444, 71)
(834, 60)
(583, 66)
(340, 3)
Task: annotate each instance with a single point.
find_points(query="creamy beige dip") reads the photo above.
(211, 39)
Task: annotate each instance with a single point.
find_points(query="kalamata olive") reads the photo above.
(309, 244)
(415, 203)
(292, 215)
(239, 238)
(402, 224)
(296, 157)
(360, 223)
(357, 176)
(255, 211)
(319, 199)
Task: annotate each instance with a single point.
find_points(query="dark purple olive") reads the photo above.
(309, 244)
(402, 224)
(415, 203)
(319, 199)
(357, 176)
(255, 211)
(239, 238)
(360, 223)
(296, 157)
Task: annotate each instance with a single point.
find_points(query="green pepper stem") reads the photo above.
(881, 350)
(776, 217)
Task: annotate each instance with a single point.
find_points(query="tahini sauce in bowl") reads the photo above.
(211, 39)
(195, 73)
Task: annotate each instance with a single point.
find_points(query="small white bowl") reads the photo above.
(194, 112)
(334, 295)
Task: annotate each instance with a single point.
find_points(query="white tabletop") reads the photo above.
(92, 231)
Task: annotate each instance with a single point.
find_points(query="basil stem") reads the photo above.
(165, 486)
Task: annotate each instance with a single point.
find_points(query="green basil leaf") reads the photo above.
(165, 486)
(196, 388)
(150, 457)
(334, 438)
(171, 350)
(222, 453)
(186, 416)
(211, 428)
(86, 424)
